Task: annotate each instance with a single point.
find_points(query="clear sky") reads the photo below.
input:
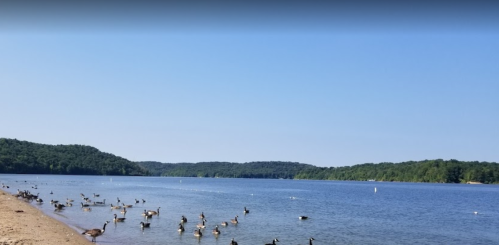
(324, 84)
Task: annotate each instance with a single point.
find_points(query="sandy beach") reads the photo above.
(21, 223)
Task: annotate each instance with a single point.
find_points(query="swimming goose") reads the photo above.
(303, 217)
(136, 201)
(100, 203)
(245, 210)
(201, 216)
(234, 221)
(84, 205)
(69, 200)
(146, 214)
(183, 219)
(273, 242)
(87, 209)
(116, 219)
(202, 225)
(123, 211)
(59, 206)
(198, 233)
(126, 206)
(225, 223)
(232, 242)
(151, 212)
(145, 225)
(180, 227)
(118, 199)
(39, 200)
(143, 201)
(310, 241)
(95, 232)
(96, 195)
(216, 231)
(115, 207)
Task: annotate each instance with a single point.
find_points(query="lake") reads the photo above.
(340, 212)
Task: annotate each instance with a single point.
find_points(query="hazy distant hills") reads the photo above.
(24, 157)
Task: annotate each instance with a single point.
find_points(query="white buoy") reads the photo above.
(375, 190)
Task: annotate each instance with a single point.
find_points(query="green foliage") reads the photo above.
(24, 157)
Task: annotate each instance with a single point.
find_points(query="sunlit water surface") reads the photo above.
(339, 212)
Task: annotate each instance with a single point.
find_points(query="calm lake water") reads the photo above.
(340, 212)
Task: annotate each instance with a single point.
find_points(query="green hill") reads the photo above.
(24, 157)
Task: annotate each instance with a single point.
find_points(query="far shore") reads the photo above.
(21, 223)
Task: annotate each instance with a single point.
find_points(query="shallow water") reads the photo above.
(340, 212)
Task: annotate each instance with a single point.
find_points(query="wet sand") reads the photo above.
(21, 223)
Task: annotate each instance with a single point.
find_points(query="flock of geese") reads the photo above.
(86, 204)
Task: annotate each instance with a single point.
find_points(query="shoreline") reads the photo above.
(21, 223)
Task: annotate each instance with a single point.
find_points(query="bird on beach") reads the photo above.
(94, 233)
(273, 242)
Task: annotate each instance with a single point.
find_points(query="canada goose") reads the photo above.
(202, 225)
(116, 219)
(39, 200)
(146, 214)
(143, 201)
(95, 232)
(84, 205)
(245, 210)
(69, 200)
(225, 223)
(145, 225)
(115, 207)
(310, 241)
(234, 221)
(118, 200)
(51, 193)
(123, 211)
(69, 204)
(273, 242)
(198, 233)
(232, 242)
(53, 201)
(87, 209)
(216, 231)
(136, 201)
(82, 195)
(183, 219)
(151, 212)
(201, 216)
(100, 203)
(59, 206)
(96, 195)
(303, 217)
(126, 206)
(180, 227)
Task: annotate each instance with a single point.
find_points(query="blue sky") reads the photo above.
(358, 87)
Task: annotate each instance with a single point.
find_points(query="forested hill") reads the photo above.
(24, 157)
(435, 171)
(268, 170)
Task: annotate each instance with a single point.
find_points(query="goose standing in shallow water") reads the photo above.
(273, 242)
(95, 232)
(116, 219)
(234, 221)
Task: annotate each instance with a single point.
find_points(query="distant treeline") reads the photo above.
(22, 157)
(435, 171)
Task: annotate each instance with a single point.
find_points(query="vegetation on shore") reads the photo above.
(24, 157)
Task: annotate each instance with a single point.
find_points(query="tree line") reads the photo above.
(22, 157)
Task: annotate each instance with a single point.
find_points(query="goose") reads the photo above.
(126, 206)
(234, 221)
(232, 242)
(118, 200)
(84, 205)
(123, 211)
(116, 219)
(183, 219)
(53, 201)
(51, 193)
(198, 233)
(69, 200)
(95, 232)
(303, 217)
(225, 223)
(115, 207)
(145, 225)
(136, 201)
(69, 204)
(143, 201)
(202, 225)
(59, 206)
(146, 214)
(87, 209)
(82, 195)
(39, 200)
(201, 216)
(216, 231)
(245, 210)
(151, 212)
(180, 227)
(100, 203)
(310, 241)
(96, 195)
(273, 242)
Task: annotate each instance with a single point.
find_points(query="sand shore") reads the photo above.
(31, 226)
